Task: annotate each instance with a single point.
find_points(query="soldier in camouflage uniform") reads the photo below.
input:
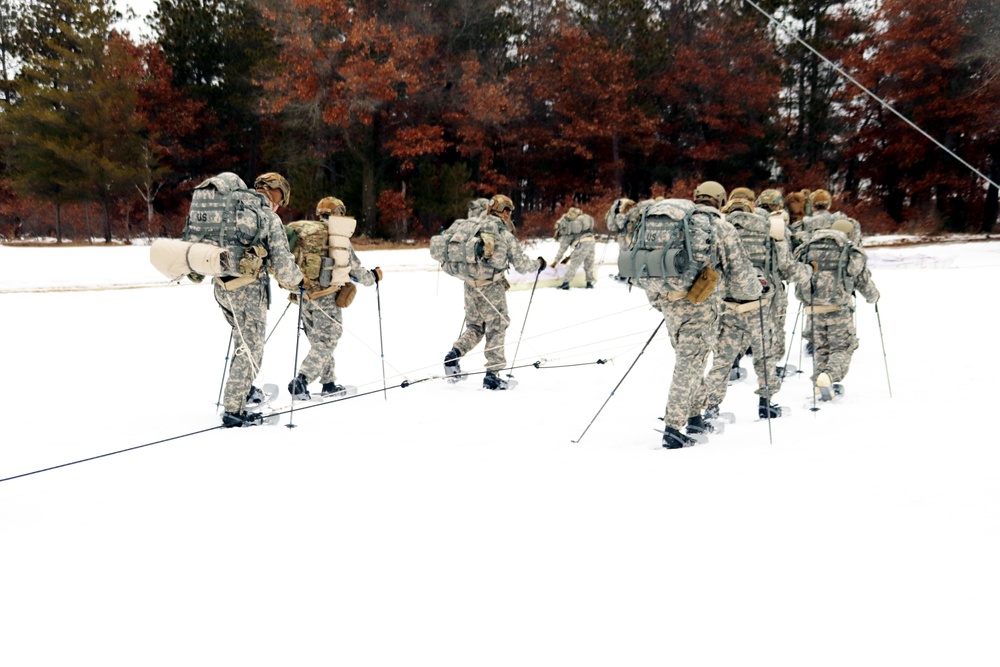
(822, 217)
(583, 245)
(693, 326)
(245, 304)
(829, 305)
(486, 304)
(754, 323)
(323, 318)
(773, 204)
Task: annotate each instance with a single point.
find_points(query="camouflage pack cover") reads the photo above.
(472, 249)
(755, 232)
(668, 243)
(226, 214)
(832, 284)
(576, 226)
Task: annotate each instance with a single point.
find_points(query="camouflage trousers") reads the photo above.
(737, 332)
(486, 316)
(583, 254)
(245, 309)
(692, 329)
(323, 322)
(834, 339)
(779, 316)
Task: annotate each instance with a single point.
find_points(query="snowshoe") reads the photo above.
(254, 398)
(712, 414)
(786, 370)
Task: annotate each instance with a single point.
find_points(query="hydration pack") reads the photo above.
(473, 249)
(667, 244)
(226, 214)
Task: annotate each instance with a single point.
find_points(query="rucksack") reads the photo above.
(226, 214)
(581, 224)
(832, 284)
(668, 243)
(322, 250)
(472, 249)
(825, 220)
(755, 233)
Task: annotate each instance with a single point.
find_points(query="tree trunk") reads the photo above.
(992, 206)
(107, 222)
(58, 222)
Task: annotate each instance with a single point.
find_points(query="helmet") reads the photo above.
(274, 181)
(742, 193)
(500, 203)
(330, 206)
(738, 204)
(573, 213)
(771, 200)
(477, 207)
(712, 192)
(820, 199)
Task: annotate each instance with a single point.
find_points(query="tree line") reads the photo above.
(407, 110)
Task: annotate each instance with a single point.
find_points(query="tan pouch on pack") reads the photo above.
(704, 285)
(345, 296)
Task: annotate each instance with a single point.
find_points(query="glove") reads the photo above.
(875, 298)
(765, 287)
(377, 274)
(541, 264)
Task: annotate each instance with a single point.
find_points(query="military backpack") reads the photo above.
(322, 250)
(576, 226)
(226, 214)
(667, 244)
(474, 249)
(832, 284)
(755, 233)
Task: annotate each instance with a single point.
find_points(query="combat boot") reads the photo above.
(451, 367)
(493, 381)
(674, 439)
(565, 285)
(767, 410)
(255, 397)
(332, 389)
(241, 419)
(697, 425)
(298, 388)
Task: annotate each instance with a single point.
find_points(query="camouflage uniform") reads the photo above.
(323, 323)
(486, 305)
(741, 324)
(245, 308)
(693, 326)
(583, 253)
(831, 325)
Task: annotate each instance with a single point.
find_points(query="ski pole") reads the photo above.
(225, 365)
(278, 322)
(655, 331)
(378, 300)
(295, 370)
(812, 335)
(791, 342)
(767, 384)
(885, 359)
(510, 373)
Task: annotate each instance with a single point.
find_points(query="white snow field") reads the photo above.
(443, 524)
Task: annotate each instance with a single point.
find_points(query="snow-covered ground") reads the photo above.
(446, 525)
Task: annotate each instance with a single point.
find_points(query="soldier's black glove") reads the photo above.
(541, 264)
(377, 274)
